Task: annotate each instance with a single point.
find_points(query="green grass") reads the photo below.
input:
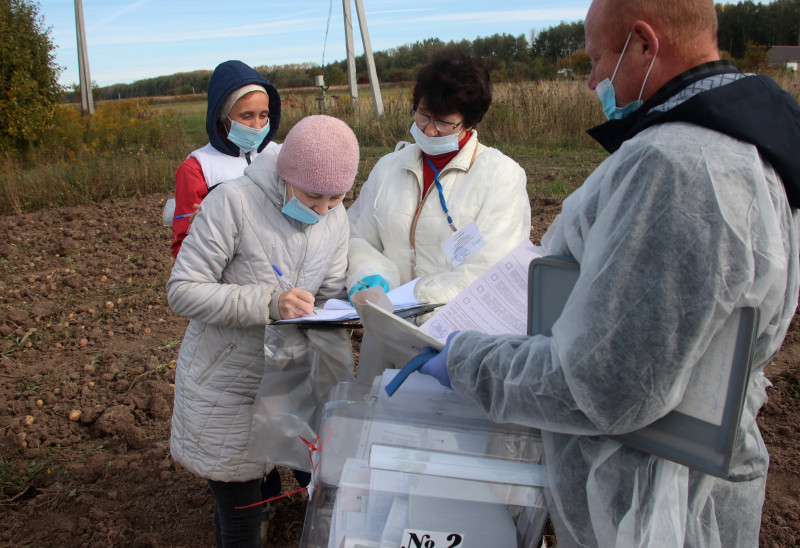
(192, 117)
(17, 476)
(553, 173)
(125, 149)
(556, 172)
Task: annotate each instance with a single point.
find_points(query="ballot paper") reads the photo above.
(402, 298)
(496, 303)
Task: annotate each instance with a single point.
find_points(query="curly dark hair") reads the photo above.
(453, 81)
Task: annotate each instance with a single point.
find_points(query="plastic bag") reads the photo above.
(169, 212)
(302, 366)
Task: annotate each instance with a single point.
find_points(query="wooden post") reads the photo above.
(87, 102)
(373, 74)
(351, 60)
(351, 56)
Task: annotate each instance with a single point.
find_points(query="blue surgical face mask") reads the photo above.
(433, 146)
(245, 137)
(605, 91)
(298, 211)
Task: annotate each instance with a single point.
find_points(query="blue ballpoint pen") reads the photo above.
(184, 215)
(281, 278)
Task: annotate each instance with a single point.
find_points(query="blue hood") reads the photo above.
(227, 78)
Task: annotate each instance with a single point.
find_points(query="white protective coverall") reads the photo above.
(677, 228)
(224, 282)
(398, 233)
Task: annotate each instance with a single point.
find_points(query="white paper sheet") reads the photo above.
(462, 244)
(496, 303)
(340, 310)
(707, 392)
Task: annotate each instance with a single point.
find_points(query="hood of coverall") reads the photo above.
(738, 107)
(227, 78)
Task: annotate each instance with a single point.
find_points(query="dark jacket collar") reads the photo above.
(715, 95)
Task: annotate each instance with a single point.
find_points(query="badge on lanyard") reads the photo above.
(465, 241)
(462, 244)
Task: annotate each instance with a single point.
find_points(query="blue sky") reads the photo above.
(134, 39)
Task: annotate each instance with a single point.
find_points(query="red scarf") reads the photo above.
(440, 161)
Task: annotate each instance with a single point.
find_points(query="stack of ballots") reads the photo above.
(422, 468)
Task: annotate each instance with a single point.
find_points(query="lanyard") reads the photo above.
(441, 194)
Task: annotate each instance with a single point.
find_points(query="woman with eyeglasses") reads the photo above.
(446, 208)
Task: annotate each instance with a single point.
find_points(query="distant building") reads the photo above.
(785, 56)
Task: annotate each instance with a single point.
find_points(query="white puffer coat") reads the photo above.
(223, 280)
(397, 232)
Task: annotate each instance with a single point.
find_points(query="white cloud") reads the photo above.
(116, 15)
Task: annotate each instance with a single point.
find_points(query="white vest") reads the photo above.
(218, 167)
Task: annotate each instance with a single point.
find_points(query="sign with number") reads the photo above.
(431, 539)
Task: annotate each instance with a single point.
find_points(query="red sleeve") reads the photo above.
(190, 189)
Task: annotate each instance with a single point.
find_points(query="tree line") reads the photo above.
(29, 87)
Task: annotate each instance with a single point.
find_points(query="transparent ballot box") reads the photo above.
(423, 468)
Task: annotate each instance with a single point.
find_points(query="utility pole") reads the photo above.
(87, 103)
(351, 59)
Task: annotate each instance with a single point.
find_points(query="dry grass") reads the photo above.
(131, 148)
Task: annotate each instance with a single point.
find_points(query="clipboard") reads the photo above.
(389, 342)
(356, 323)
(704, 444)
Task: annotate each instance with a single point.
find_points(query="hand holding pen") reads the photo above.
(293, 302)
(192, 215)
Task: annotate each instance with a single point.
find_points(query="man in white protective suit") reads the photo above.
(693, 215)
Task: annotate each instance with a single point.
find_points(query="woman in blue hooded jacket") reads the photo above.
(244, 112)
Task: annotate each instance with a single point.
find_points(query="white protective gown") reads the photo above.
(673, 231)
(398, 233)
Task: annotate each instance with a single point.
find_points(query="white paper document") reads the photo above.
(496, 303)
(707, 392)
(339, 310)
(462, 244)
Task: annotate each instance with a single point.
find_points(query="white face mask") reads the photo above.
(433, 146)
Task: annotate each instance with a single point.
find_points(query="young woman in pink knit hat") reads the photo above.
(263, 247)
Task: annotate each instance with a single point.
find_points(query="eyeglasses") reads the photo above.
(444, 128)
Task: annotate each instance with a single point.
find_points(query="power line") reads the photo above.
(325, 43)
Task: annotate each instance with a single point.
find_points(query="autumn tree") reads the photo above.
(756, 58)
(29, 90)
(558, 42)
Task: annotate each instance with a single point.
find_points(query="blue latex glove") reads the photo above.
(369, 281)
(413, 365)
(436, 367)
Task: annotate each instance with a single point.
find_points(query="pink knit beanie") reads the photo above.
(319, 155)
